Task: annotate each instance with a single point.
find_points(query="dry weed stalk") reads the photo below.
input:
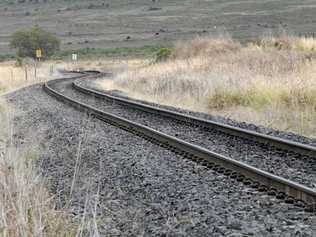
(26, 208)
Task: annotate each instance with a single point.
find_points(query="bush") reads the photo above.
(19, 62)
(163, 54)
(28, 41)
(6, 57)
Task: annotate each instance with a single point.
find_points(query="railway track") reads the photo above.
(247, 134)
(293, 165)
(283, 188)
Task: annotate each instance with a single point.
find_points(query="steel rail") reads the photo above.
(228, 129)
(222, 164)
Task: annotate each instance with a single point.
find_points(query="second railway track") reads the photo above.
(251, 161)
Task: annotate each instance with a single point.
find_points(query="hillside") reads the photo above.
(109, 24)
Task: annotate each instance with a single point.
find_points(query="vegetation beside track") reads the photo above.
(95, 53)
(99, 53)
(269, 82)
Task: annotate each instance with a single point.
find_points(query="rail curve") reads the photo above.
(292, 192)
(255, 136)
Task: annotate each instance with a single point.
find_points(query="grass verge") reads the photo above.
(94, 53)
(13, 77)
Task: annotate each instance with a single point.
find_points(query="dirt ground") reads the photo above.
(110, 24)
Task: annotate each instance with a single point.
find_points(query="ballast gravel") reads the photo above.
(298, 168)
(126, 186)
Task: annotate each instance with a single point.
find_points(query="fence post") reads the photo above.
(35, 70)
(12, 77)
(25, 73)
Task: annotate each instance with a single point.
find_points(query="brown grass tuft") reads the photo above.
(203, 46)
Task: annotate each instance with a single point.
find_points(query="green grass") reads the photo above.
(95, 53)
(7, 2)
(6, 57)
(258, 98)
(92, 53)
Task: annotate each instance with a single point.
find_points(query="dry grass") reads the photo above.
(26, 208)
(271, 82)
(109, 65)
(13, 77)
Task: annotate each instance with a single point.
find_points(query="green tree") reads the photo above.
(26, 42)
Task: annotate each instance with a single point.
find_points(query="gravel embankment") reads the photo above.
(286, 164)
(135, 188)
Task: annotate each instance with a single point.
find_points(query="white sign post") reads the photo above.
(74, 57)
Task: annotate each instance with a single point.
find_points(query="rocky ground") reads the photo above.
(126, 186)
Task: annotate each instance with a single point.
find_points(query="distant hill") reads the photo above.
(118, 23)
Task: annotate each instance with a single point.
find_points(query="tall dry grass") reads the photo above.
(270, 82)
(26, 207)
(13, 77)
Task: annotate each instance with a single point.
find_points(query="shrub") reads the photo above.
(6, 57)
(28, 41)
(19, 62)
(163, 54)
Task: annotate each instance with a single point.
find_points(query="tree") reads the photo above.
(28, 41)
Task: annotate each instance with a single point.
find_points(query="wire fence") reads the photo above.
(308, 35)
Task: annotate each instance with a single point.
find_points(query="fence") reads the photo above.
(308, 35)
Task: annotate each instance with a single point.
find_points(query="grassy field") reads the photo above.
(13, 77)
(270, 82)
(94, 54)
(103, 53)
(118, 24)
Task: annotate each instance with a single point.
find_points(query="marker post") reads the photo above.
(38, 57)
(74, 58)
